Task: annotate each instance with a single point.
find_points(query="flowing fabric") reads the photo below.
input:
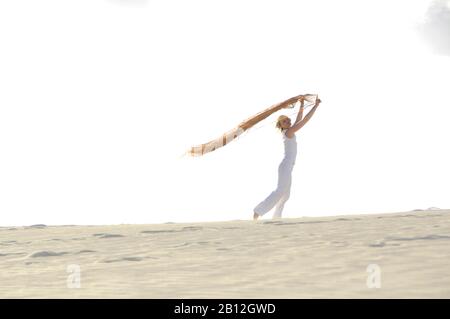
(232, 134)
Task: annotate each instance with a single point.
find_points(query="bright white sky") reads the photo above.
(99, 98)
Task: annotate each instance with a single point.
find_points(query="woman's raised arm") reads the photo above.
(298, 125)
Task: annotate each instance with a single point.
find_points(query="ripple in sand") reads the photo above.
(37, 226)
(342, 220)
(8, 242)
(428, 237)
(104, 235)
(158, 231)
(132, 258)
(272, 222)
(11, 254)
(45, 253)
(378, 244)
(85, 251)
(122, 259)
(186, 228)
(297, 223)
(191, 228)
(30, 263)
(182, 245)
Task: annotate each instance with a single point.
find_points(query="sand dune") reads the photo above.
(404, 254)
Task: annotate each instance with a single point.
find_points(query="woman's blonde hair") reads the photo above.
(280, 118)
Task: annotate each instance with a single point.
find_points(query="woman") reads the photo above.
(281, 194)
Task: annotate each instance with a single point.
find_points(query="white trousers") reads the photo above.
(280, 195)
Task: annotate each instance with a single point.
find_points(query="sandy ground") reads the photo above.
(403, 254)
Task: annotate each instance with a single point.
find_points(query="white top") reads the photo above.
(290, 148)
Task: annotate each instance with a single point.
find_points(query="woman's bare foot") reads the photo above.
(255, 216)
